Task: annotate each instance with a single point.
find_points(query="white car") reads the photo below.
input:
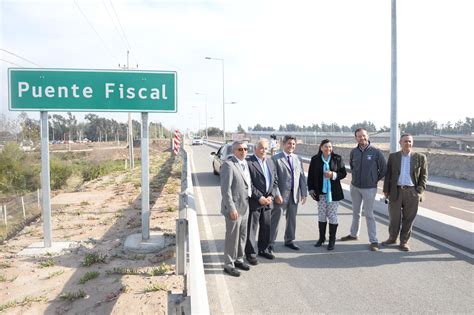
(197, 141)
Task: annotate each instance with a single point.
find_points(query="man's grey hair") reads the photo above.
(235, 144)
(405, 135)
(260, 142)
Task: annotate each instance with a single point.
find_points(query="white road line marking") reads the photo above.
(421, 235)
(461, 209)
(222, 290)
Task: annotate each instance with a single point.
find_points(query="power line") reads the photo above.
(93, 28)
(115, 24)
(124, 35)
(11, 63)
(13, 54)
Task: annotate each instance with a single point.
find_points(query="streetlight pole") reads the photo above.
(223, 94)
(230, 103)
(205, 109)
(394, 133)
(199, 119)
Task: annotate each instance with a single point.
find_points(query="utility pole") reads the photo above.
(130, 125)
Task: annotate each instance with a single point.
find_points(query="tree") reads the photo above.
(9, 128)
(240, 129)
(30, 128)
(369, 126)
(214, 132)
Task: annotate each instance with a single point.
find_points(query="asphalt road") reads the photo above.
(433, 277)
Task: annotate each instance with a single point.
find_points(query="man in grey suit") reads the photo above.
(292, 189)
(236, 190)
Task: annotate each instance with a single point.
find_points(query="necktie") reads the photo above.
(267, 174)
(292, 172)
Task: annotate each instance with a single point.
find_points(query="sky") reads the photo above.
(301, 62)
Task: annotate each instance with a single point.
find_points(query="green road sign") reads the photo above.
(91, 90)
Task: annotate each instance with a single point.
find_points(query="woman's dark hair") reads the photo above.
(323, 143)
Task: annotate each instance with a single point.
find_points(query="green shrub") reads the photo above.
(90, 171)
(94, 258)
(89, 276)
(60, 173)
(19, 172)
(71, 296)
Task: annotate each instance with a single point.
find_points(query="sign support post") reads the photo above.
(46, 90)
(145, 179)
(45, 184)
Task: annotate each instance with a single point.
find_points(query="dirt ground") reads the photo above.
(97, 276)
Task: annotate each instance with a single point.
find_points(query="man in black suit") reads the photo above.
(264, 187)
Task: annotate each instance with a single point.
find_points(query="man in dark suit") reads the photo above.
(264, 187)
(405, 182)
(236, 190)
(292, 189)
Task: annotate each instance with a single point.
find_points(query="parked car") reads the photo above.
(197, 141)
(222, 154)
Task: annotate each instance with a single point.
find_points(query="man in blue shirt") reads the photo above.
(404, 184)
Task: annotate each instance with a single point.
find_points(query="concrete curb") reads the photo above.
(452, 229)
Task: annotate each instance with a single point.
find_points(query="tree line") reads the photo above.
(429, 127)
(67, 128)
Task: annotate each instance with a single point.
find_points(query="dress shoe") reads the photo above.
(252, 260)
(271, 250)
(292, 246)
(242, 265)
(389, 242)
(404, 247)
(349, 238)
(232, 271)
(374, 247)
(266, 255)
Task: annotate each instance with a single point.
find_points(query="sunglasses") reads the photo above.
(242, 149)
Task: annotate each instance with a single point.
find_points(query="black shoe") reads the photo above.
(271, 250)
(319, 243)
(292, 246)
(266, 255)
(322, 234)
(252, 260)
(332, 236)
(233, 272)
(242, 265)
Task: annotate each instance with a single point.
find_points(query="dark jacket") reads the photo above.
(259, 186)
(368, 167)
(315, 176)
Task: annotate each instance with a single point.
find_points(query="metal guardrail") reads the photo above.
(189, 261)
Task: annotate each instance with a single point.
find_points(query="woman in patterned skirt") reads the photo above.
(324, 184)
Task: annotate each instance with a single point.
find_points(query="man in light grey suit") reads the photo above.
(293, 189)
(236, 190)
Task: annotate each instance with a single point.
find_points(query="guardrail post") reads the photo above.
(178, 304)
(183, 204)
(181, 245)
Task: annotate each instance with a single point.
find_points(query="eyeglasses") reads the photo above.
(242, 149)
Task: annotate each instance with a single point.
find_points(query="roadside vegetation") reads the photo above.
(20, 171)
